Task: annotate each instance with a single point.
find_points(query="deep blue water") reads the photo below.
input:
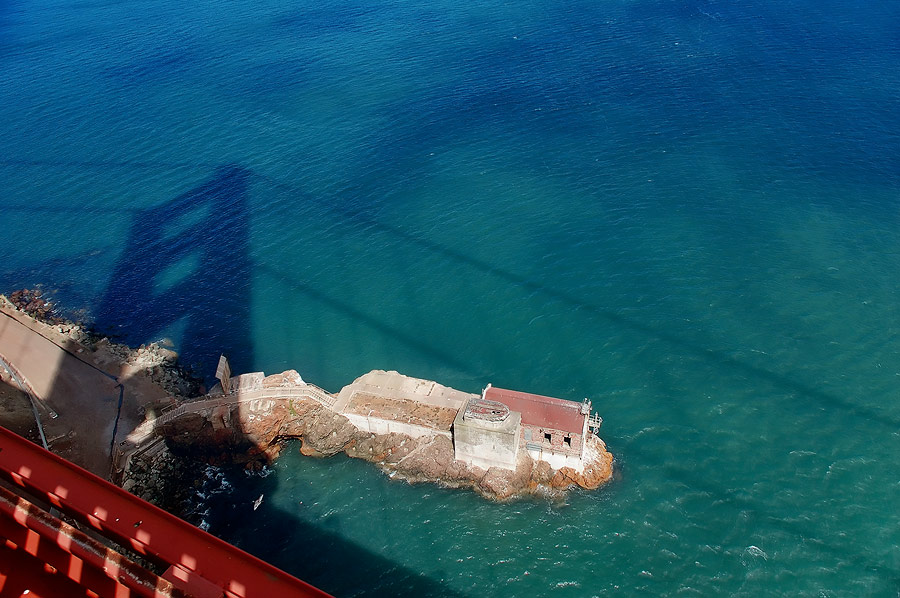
(687, 211)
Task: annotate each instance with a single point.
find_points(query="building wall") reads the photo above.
(556, 460)
(487, 444)
(535, 438)
(555, 451)
(376, 425)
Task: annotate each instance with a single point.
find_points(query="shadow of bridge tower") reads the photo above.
(186, 269)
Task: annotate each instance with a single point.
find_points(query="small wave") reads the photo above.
(264, 472)
(213, 482)
(754, 552)
(568, 584)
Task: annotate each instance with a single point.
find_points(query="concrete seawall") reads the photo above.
(377, 425)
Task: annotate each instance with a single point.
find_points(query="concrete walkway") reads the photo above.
(68, 383)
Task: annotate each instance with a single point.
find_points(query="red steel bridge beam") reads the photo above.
(49, 557)
(199, 564)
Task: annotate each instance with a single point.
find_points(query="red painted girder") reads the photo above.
(74, 557)
(24, 576)
(197, 557)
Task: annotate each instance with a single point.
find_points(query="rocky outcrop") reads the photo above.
(76, 407)
(432, 460)
(164, 479)
(157, 362)
(253, 434)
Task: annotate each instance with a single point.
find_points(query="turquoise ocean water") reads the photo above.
(687, 211)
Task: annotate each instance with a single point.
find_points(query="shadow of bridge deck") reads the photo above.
(187, 262)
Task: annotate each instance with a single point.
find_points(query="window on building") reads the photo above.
(568, 441)
(548, 437)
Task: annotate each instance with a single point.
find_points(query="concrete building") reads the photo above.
(490, 430)
(486, 434)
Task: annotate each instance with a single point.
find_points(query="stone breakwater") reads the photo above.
(253, 432)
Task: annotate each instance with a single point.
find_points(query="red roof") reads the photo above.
(541, 411)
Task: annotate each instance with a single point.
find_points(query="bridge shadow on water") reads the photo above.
(213, 298)
(186, 270)
(360, 219)
(315, 552)
(187, 266)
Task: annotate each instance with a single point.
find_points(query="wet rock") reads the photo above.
(33, 303)
(503, 484)
(542, 473)
(597, 471)
(167, 355)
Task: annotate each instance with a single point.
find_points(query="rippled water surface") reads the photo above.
(687, 211)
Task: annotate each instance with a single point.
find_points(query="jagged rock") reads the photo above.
(498, 483)
(371, 447)
(292, 378)
(503, 484)
(285, 379)
(400, 450)
(429, 461)
(542, 473)
(166, 355)
(188, 424)
(329, 433)
(458, 472)
(307, 450)
(32, 302)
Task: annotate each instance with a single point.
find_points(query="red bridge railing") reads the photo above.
(122, 540)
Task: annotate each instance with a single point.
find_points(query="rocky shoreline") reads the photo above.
(154, 359)
(433, 461)
(324, 433)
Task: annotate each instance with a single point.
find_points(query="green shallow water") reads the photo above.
(687, 212)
